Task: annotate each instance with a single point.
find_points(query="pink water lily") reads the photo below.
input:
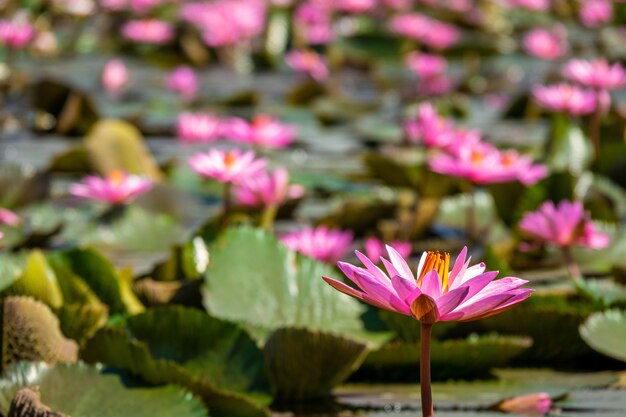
(566, 98)
(231, 167)
(198, 127)
(594, 13)
(426, 65)
(116, 188)
(546, 44)
(15, 34)
(9, 218)
(435, 292)
(435, 131)
(267, 189)
(151, 31)
(115, 77)
(183, 81)
(321, 243)
(308, 62)
(534, 404)
(261, 130)
(597, 73)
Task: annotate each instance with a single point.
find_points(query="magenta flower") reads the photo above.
(313, 23)
(198, 127)
(15, 34)
(229, 167)
(564, 225)
(262, 130)
(356, 6)
(483, 164)
(116, 188)
(183, 81)
(115, 77)
(435, 293)
(151, 31)
(308, 62)
(375, 248)
(594, 13)
(566, 98)
(9, 218)
(426, 65)
(597, 74)
(426, 30)
(321, 243)
(435, 131)
(267, 189)
(546, 44)
(535, 404)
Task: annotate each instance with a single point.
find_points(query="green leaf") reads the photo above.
(569, 149)
(39, 281)
(11, 267)
(30, 331)
(87, 391)
(606, 333)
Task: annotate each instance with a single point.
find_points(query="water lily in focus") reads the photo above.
(434, 293)
(115, 77)
(321, 243)
(262, 130)
(116, 188)
(183, 81)
(308, 62)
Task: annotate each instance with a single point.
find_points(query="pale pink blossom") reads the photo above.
(597, 74)
(116, 188)
(183, 81)
(198, 127)
(321, 243)
(435, 131)
(229, 167)
(9, 218)
(267, 189)
(151, 31)
(426, 65)
(80, 8)
(564, 225)
(546, 44)
(482, 164)
(375, 248)
(308, 62)
(15, 34)
(424, 29)
(115, 77)
(313, 23)
(262, 130)
(535, 404)
(436, 292)
(594, 13)
(566, 98)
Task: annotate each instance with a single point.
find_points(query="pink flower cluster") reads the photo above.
(566, 98)
(312, 21)
(267, 189)
(564, 225)
(308, 62)
(435, 131)
(546, 44)
(260, 131)
(430, 32)
(599, 75)
(228, 167)
(15, 34)
(116, 188)
(184, 82)
(226, 22)
(150, 31)
(431, 71)
(321, 243)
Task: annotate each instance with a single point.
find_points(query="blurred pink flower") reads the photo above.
(231, 167)
(355, 6)
(262, 130)
(564, 225)
(183, 81)
(597, 74)
(267, 189)
(198, 127)
(482, 164)
(535, 404)
(150, 31)
(321, 243)
(114, 77)
(308, 62)
(546, 43)
(566, 98)
(399, 4)
(313, 23)
(9, 218)
(426, 65)
(430, 32)
(435, 131)
(435, 293)
(536, 5)
(375, 248)
(116, 188)
(15, 34)
(594, 13)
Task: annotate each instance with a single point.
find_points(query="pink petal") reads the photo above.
(431, 284)
(450, 300)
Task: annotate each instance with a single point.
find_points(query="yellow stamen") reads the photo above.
(477, 156)
(117, 176)
(229, 159)
(439, 262)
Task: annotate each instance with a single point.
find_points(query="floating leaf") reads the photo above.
(87, 391)
(606, 333)
(30, 331)
(39, 281)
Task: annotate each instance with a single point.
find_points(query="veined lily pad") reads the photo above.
(606, 333)
(87, 391)
(214, 359)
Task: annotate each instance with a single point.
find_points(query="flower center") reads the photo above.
(477, 156)
(262, 120)
(507, 159)
(229, 159)
(116, 177)
(439, 262)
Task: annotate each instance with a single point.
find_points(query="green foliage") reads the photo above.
(569, 150)
(605, 332)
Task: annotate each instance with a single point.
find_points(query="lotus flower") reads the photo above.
(308, 62)
(435, 131)
(321, 243)
(115, 77)
(546, 44)
(116, 188)
(374, 248)
(198, 127)
(229, 167)
(535, 404)
(594, 13)
(183, 81)
(151, 31)
(267, 189)
(563, 225)
(566, 98)
(426, 65)
(431, 32)
(313, 23)
(597, 74)
(483, 164)
(435, 293)
(262, 130)
(15, 34)
(9, 218)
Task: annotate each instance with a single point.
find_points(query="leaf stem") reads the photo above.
(570, 263)
(425, 384)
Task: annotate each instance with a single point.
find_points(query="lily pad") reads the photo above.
(606, 333)
(88, 391)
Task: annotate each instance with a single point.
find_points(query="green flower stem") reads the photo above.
(425, 385)
(226, 203)
(570, 263)
(267, 217)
